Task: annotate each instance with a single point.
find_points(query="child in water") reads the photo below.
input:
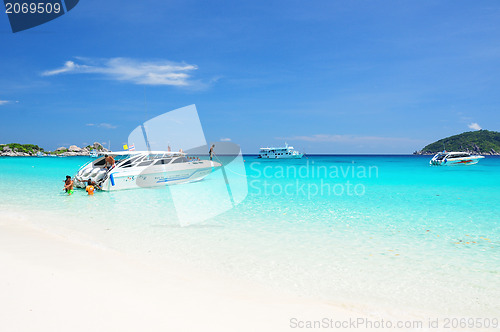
(91, 187)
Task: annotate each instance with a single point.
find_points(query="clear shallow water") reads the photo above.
(385, 230)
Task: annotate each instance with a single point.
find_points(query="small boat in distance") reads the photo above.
(93, 154)
(454, 158)
(143, 169)
(286, 152)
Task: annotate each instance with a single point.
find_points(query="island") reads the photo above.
(480, 142)
(33, 150)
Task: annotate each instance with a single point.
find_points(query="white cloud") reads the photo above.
(69, 66)
(131, 70)
(474, 126)
(225, 139)
(102, 125)
(3, 102)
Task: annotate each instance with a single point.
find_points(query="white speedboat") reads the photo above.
(286, 152)
(143, 169)
(454, 158)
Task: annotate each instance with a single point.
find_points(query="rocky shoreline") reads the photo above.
(427, 153)
(475, 151)
(73, 150)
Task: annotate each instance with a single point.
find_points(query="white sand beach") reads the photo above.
(54, 280)
(49, 283)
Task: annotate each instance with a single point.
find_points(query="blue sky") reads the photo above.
(325, 76)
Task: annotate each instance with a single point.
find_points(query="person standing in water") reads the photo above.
(211, 152)
(91, 187)
(68, 185)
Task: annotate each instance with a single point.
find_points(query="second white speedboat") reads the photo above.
(143, 169)
(454, 158)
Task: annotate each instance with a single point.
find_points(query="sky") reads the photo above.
(333, 77)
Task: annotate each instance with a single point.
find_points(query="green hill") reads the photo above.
(480, 141)
(26, 148)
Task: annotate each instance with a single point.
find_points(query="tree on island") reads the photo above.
(480, 142)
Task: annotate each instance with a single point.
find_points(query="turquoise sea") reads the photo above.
(383, 231)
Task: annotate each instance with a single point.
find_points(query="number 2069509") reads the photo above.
(32, 8)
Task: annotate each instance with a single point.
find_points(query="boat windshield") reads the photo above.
(461, 155)
(118, 159)
(440, 157)
(152, 159)
(180, 160)
(122, 157)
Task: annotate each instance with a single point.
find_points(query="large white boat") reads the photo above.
(143, 169)
(286, 152)
(454, 158)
